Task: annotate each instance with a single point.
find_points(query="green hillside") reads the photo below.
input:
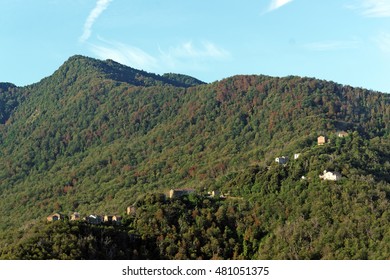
(97, 136)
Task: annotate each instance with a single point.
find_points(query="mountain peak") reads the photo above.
(183, 79)
(79, 65)
(6, 86)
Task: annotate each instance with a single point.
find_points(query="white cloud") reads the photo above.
(186, 56)
(101, 5)
(125, 54)
(207, 50)
(373, 8)
(276, 4)
(332, 45)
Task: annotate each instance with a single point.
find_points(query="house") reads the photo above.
(342, 134)
(281, 160)
(55, 217)
(131, 210)
(296, 156)
(180, 192)
(321, 140)
(107, 218)
(330, 176)
(112, 219)
(75, 216)
(94, 219)
(117, 219)
(214, 194)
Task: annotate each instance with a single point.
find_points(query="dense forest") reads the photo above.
(97, 137)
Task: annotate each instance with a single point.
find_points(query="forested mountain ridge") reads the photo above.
(97, 136)
(81, 68)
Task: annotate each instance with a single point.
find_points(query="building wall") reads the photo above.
(321, 140)
(281, 160)
(179, 193)
(131, 210)
(331, 176)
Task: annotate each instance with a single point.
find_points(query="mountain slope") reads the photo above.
(9, 100)
(96, 135)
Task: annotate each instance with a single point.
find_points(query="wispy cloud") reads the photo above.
(276, 4)
(101, 5)
(206, 50)
(332, 45)
(186, 56)
(125, 54)
(372, 8)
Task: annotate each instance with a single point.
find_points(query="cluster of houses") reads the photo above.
(176, 193)
(91, 219)
(284, 159)
(321, 140)
(131, 210)
(330, 175)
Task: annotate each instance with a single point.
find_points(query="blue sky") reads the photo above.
(346, 41)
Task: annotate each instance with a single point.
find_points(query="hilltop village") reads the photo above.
(131, 210)
(321, 141)
(177, 193)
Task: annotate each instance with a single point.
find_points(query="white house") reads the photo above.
(330, 176)
(281, 160)
(296, 156)
(94, 219)
(342, 134)
(180, 192)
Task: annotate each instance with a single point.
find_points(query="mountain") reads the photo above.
(70, 71)
(98, 136)
(6, 86)
(183, 80)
